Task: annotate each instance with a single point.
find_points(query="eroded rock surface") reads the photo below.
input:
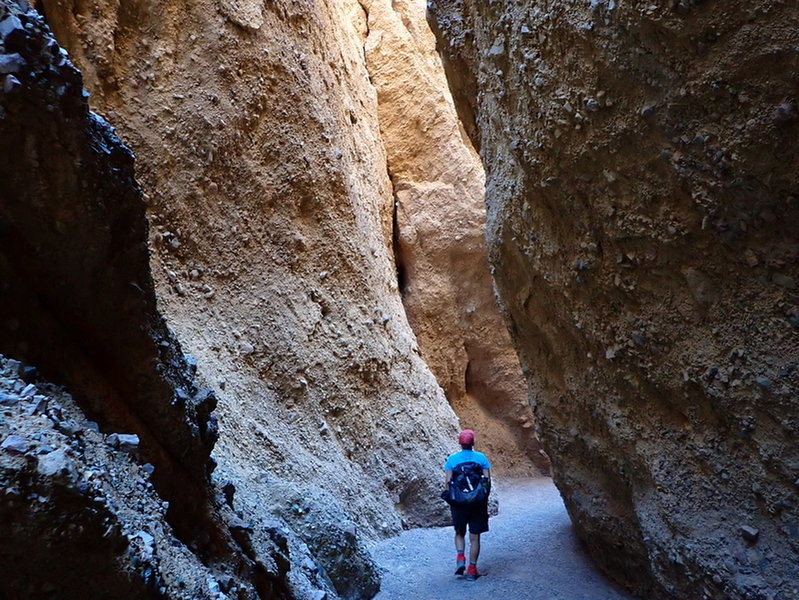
(642, 191)
(78, 301)
(258, 147)
(439, 237)
(78, 517)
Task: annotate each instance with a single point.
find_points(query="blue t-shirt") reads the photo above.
(466, 456)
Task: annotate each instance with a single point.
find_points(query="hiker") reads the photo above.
(466, 489)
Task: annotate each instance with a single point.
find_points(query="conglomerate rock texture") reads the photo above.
(643, 229)
(78, 301)
(439, 236)
(258, 149)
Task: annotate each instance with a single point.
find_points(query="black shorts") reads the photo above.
(475, 516)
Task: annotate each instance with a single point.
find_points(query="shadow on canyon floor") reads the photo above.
(531, 553)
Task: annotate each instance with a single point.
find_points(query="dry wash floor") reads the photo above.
(530, 553)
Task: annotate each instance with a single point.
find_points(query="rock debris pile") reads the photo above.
(71, 496)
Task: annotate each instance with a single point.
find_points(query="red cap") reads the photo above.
(466, 437)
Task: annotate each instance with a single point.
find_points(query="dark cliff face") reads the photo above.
(77, 296)
(642, 197)
(78, 299)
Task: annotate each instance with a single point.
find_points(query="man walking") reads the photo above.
(475, 515)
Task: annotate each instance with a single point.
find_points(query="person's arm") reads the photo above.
(487, 475)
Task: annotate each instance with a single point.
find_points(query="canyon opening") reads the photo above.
(263, 259)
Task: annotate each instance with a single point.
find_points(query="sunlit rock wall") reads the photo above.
(256, 134)
(439, 236)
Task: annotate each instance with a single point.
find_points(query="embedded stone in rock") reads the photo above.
(12, 33)
(11, 84)
(351, 532)
(239, 524)
(245, 13)
(29, 373)
(782, 280)
(69, 427)
(229, 492)
(786, 112)
(57, 464)
(128, 442)
(764, 382)
(147, 542)
(8, 399)
(750, 534)
(11, 63)
(16, 444)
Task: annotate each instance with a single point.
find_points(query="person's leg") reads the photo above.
(459, 523)
(460, 541)
(474, 547)
(460, 559)
(478, 523)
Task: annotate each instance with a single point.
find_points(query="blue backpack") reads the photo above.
(468, 486)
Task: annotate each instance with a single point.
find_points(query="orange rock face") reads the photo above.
(439, 237)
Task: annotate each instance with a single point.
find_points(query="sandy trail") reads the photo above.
(531, 553)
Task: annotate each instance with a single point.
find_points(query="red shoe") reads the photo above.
(471, 573)
(460, 563)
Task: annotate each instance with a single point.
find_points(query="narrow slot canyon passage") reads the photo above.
(442, 266)
(530, 553)
(260, 261)
(439, 238)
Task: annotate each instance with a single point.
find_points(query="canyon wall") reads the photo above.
(446, 287)
(643, 231)
(78, 302)
(448, 293)
(259, 153)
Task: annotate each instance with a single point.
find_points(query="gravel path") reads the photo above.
(530, 553)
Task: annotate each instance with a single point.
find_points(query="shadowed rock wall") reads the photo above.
(78, 298)
(78, 301)
(642, 222)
